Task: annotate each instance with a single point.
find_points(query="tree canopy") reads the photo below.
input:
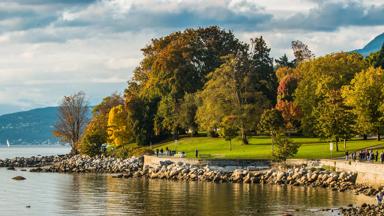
(365, 95)
(318, 77)
(205, 79)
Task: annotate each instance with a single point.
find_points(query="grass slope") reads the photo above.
(260, 147)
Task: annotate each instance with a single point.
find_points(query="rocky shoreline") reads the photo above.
(34, 161)
(134, 167)
(364, 209)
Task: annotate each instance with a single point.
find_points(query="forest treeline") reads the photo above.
(206, 79)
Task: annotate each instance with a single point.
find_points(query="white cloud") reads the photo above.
(321, 43)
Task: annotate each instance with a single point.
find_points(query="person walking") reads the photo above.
(197, 153)
(382, 157)
(376, 155)
(346, 155)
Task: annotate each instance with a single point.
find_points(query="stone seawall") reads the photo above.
(153, 161)
(367, 173)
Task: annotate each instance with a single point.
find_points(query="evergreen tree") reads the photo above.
(283, 61)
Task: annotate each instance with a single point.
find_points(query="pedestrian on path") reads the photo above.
(376, 155)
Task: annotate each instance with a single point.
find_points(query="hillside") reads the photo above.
(373, 46)
(29, 127)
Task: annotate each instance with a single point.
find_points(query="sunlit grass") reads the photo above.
(260, 147)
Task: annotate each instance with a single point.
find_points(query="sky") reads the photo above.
(52, 48)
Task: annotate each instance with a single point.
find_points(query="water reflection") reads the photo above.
(87, 194)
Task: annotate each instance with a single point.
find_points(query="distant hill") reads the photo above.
(373, 46)
(29, 127)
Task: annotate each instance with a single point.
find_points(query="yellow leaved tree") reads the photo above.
(118, 130)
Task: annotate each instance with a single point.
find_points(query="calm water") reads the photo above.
(28, 151)
(89, 194)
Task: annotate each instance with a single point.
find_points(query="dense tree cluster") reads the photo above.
(207, 80)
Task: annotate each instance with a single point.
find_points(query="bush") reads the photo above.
(284, 148)
(90, 145)
(122, 151)
(128, 150)
(141, 151)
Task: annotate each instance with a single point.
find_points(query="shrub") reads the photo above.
(284, 148)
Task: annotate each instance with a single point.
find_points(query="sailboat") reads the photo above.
(8, 144)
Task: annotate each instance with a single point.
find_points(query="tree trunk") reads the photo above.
(345, 144)
(337, 144)
(74, 150)
(273, 141)
(176, 134)
(244, 138)
(365, 136)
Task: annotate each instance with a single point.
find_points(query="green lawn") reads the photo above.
(260, 147)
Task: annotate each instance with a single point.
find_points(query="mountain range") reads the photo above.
(28, 127)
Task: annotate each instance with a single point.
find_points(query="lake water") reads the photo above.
(90, 194)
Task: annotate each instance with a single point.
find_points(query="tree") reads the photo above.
(119, 132)
(229, 92)
(168, 116)
(107, 104)
(283, 61)
(318, 77)
(228, 131)
(243, 86)
(372, 59)
(376, 59)
(284, 148)
(72, 119)
(290, 112)
(188, 109)
(95, 133)
(287, 87)
(380, 58)
(281, 72)
(262, 78)
(141, 113)
(93, 138)
(335, 120)
(173, 66)
(272, 122)
(301, 52)
(365, 95)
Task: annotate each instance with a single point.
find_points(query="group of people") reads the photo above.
(366, 155)
(168, 152)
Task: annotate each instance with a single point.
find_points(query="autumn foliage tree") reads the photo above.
(365, 95)
(173, 66)
(320, 76)
(72, 119)
(95, 133)
(119, 132)
(335, 120)
(229, 92)
(301, 52)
